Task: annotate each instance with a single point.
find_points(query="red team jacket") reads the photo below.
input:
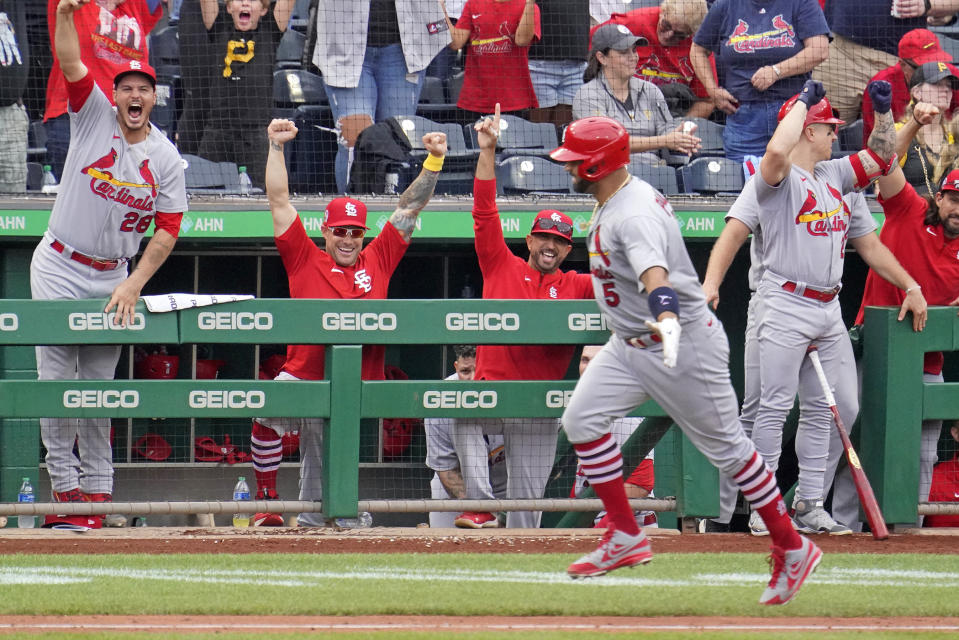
(507, 276)
(945, 488)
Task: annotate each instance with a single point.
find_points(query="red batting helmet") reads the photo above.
(157, 366)
(601, 143)
(819, 113)
(208, 369)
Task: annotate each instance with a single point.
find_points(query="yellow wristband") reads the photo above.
(433, 163)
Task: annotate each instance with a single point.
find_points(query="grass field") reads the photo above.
(727, 584)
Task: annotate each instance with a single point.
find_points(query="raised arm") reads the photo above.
(527, 25)
(881, 260)
(776, 164)
(878, 159)
(487, 132)
(420, 190)
(282, 11)
(459, 37)
(67, 42)
(277, 182)
(210, 10)
(724, 251)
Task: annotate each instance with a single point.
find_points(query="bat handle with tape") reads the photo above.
(813, 354)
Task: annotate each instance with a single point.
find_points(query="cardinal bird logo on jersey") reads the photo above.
(147, 175)
(106, 186)
(741, 29)
(819, 221)
(782, 25)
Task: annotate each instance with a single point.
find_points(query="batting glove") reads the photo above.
(812, 92)
(668, 330)
(880, 92)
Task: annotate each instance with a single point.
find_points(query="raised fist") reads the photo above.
(812, 92)
(880, 92)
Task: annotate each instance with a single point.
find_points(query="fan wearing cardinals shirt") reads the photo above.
(343, 269)
(121, 177)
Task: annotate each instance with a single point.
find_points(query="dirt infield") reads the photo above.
(410, 540)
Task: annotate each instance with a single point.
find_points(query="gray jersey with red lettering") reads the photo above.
(111, 190)
(806, 223)
(633, 231)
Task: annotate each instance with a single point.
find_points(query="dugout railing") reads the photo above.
(682, 472)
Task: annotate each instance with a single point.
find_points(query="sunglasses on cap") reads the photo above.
(347, 232)
(548, 224)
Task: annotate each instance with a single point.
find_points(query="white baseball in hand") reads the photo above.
(668, 330)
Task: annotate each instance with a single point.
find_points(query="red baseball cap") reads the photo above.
(554, 222)
(345, 212)
(135, 66)
(922, 45)
(951, 181)
(153, 447)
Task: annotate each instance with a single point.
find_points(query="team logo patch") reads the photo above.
(782, 35)
(362, 280)
(106, 186)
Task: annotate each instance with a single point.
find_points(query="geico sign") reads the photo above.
(556, 398)
(359, 321)
(482, 322)
(240, 320)
(234, 399)
(108, 398)
(586, 322)
(9, 322)
(103, 322)
(459, 399)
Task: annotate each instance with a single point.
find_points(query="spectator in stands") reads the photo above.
(640, 482)
(498, 34)
(666, 34)
(917, 47)
(558, 59)
(111, 32)
(864, 41)
(198, 66)
(244, 36)
(945, 484)
(14, 122)
(764, 52)
(926, 151)
(441, 457)
(614, 91)
(372, 54)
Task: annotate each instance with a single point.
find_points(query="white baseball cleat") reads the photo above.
(756, 525)
(616, 550)
(790, 570)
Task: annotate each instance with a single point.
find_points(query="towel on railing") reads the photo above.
(178, 301)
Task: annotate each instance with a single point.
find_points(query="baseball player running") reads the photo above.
(530, 442)
(121, 175)
(344, 269)
(805, 226)
(650, 294)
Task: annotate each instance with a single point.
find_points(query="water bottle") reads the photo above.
(26, 495)
(49, 184)
(241, 492)
(363, 520)
(246, 186)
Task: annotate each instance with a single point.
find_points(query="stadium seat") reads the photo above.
(37, 141)
(850, 137)
(205, 177)
(34, 177)
(289, 55)
(295, 87)
(713, 176)
(531, 174)
(454, 84)
(661, 177)
(520, 137)
(300, 16)
(457, 175)
(312, 154)
(165, 48)
(433, 104)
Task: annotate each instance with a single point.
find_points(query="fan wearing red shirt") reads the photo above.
(530, 442)
(341, 270)
(916, 48)
(925, 239)
(664, 56)
(498, 33)
(112, 32)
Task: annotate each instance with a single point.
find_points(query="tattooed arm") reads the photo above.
(420, 190)
(453, 483)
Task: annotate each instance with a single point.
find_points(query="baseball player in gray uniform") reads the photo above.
(665, 345)
(441, 455)
(121, 176)
(797, 200)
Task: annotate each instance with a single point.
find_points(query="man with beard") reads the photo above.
(120, 176)
(530, 442)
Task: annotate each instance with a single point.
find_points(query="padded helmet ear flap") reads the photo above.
(602, 144)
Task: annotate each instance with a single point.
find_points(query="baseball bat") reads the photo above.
(866, 496)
